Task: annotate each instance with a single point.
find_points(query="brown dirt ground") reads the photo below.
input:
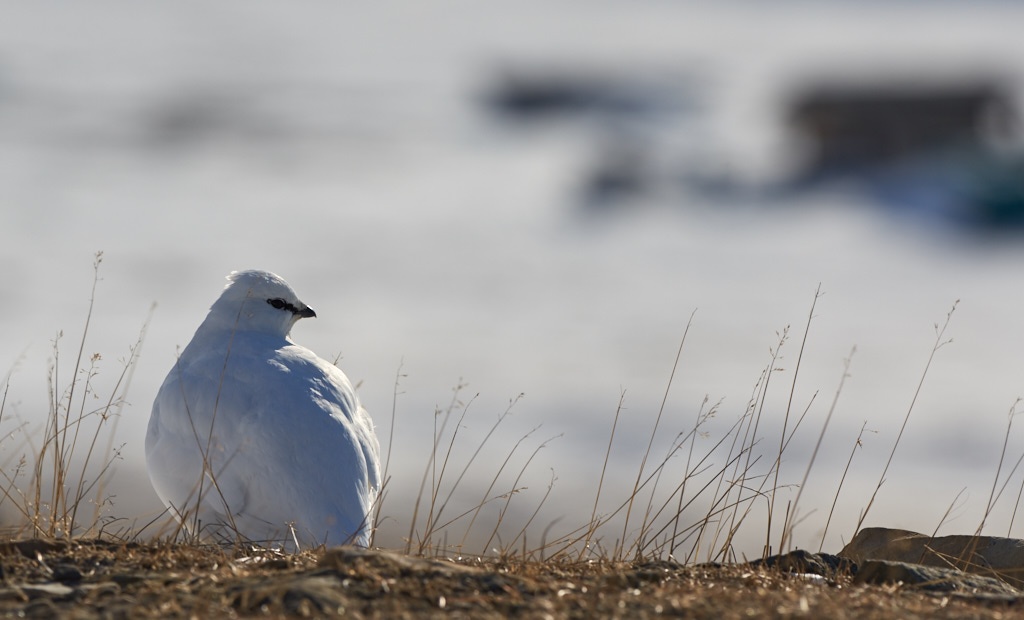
(101, 579)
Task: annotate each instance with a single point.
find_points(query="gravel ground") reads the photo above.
(93, 579)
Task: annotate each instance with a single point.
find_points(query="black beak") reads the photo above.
(306, 313)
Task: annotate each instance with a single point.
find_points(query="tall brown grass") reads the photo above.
(65, 492)
(691, 498)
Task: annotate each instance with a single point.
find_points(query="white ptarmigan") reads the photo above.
(255, 438)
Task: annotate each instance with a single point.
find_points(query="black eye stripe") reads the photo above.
(281, 304)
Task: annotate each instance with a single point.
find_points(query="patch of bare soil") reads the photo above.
(92, 579)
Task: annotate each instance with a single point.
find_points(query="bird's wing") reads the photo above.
(190, 442)
(324, 435)
(290, 441)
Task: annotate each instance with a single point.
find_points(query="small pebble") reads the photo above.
(66, 573)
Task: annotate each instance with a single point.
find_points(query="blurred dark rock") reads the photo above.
(541, 92)
(947, 153)
(971, 190)
(863, 126)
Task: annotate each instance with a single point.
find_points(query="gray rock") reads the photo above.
(1002, 558)
(804, 562)
(932, 578)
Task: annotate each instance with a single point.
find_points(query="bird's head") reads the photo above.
(258, 301)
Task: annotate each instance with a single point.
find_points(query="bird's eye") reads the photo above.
(277, 302)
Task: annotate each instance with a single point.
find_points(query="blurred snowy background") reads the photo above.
(533, 197)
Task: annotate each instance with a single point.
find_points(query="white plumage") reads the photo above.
(255, 437)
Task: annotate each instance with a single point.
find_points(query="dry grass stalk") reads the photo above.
(940, 341)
